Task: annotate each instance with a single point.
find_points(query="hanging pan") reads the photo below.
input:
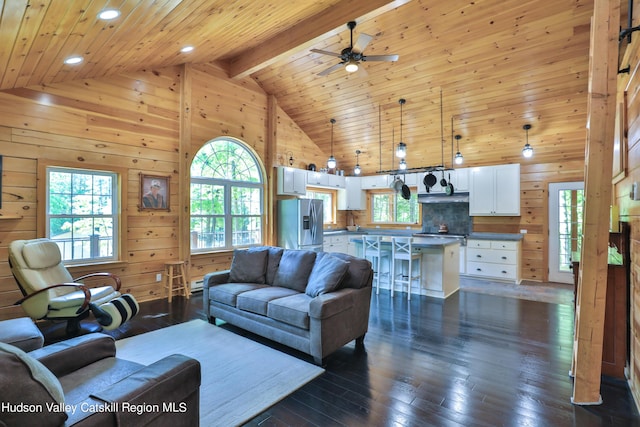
(429, 180)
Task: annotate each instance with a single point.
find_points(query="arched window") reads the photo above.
(226, 196)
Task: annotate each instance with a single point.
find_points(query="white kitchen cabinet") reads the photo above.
(495, 190)
(461, 180)
(496, 259)
(375, 181)
(353, 248)
(291, 181)
(320, 179)
(463, 259)
(336, 181)
(352, 197)
(337, 243)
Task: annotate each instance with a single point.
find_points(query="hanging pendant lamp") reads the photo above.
(527, 151)
(458, 159)
(331, 163)
(357, 170)
(401, 150)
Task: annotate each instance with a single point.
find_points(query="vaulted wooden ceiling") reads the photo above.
(499, 64)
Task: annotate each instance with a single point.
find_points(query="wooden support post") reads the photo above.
(184, 175)
(592, 280)
(269, 163)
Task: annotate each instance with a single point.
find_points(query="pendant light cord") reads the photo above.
(441, 129)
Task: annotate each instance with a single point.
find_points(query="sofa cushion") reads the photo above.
(256, 301)
(293, 310)
(294, 270)
(25, 381)
(326, 275)
(273, 262)
(359, 271)
(249, 265)
(228, 293)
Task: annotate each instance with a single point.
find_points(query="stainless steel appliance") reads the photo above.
(300, 224)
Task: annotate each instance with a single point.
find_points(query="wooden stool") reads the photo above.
(175, 270)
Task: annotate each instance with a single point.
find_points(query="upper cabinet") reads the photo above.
(494, 190)
(375, 181)
(319, 179)
(352, 198)
(291, 181)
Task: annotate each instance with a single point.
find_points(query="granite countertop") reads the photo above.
(378, 231)
(497, 236)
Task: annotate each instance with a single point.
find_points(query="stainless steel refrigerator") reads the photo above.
(300, 224)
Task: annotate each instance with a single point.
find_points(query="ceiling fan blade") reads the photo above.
(326, 52)
(380, 58)
(361, 43)
(362, 73)
(331, 69)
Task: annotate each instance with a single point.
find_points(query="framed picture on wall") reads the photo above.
(619, 171)
(154, 193)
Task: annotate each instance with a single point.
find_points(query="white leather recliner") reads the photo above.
(51, 293)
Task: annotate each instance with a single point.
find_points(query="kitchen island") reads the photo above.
(440, 263)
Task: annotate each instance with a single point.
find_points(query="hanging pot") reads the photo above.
(449, 188)
(443, 182)
(429, 180)
(406, 192)
(397, 185)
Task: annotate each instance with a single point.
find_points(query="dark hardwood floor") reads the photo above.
(471, 360)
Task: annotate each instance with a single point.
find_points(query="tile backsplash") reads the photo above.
(455, 215)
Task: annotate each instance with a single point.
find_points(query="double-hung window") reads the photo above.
(226, 197)
(82, 213)
(390, 207)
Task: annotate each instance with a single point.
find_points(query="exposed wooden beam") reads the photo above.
(592, 282)
(306, 33)
(184, 163)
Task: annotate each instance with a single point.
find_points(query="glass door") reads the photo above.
(566, 203)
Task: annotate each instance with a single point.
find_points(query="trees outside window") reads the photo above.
(226, 197)
(390, 207)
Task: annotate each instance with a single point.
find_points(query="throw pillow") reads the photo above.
(33, 395)
(248, 266)
(326, 276)
(295, 267)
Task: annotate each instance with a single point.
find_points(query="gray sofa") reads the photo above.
(312, 302)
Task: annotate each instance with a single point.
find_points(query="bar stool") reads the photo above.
(372, 250)
(402, 250)
(175, 270)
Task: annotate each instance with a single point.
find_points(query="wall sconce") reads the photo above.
(357, 170)
(527, 151)
(290, 154)
(458, 159)
(331, 162)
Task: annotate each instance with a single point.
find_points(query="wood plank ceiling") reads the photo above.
(499, 65)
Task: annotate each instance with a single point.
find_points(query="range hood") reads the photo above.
(462, 197)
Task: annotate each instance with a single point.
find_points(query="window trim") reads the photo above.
(228, 217)
(122, 191)
(334, 201)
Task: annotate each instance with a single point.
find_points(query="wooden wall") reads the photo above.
(131, 122)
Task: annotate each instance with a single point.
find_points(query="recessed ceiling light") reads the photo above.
(186, 49)
(108, 14)
(72, 60)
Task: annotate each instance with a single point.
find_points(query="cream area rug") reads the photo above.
(240, 377)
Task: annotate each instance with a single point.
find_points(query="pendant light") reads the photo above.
(458, 159)
(527, 151)
(331, 163)
(357, 170)
(401, 150)
(403, 165)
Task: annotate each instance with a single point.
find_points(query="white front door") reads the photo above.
(566, 202)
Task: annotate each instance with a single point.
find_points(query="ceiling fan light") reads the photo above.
(352, 66)
(403, 165)
(401, 150)
(458, 159)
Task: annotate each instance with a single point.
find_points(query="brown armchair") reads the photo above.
(81, 382)
(50, 292)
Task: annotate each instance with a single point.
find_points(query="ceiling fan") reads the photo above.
(351, 56)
